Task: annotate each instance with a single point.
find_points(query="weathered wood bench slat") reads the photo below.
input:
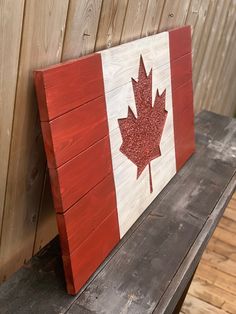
(152, 265)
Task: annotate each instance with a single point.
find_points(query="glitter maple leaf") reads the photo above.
(141, 135)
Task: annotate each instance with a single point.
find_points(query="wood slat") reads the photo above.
(152, 17)
(212, 294)
(193, 305)
(86, 215)
(225, 236)
(111, 23)
(197, 18)
(74, 179)
(222, 248)
(204, 35)
(80, 265)
(228, 224)
(224, 44)
(219, 262)
(81, 28)
(63, 139)
(210, 53)
(217, 277)
(43, 23)
(134, 19)
(174, 14)
(9, 58)
(180, 41)
(70, 74)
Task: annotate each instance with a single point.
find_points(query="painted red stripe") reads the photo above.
(180, 42)
(181, 71)
(73, 132)
(74, 124)
(77, 177)
(82, 263)
(68, 85)
(182, 94)
(86, 215)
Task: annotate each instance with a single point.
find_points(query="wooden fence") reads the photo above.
(34, 34)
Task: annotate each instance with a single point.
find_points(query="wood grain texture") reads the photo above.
(195, 306)
(219, 262)
(180, 42)
(183, 123)
(9, 56)
(81, 28)
(44, 22)
(54, 100)
(181, 70)
(76, 224)
(212, 45)
(152, 17)
(182, 94)
(226, 74)
(111, 23)
(197, 17)
(174, 14)
(134, 19)
(75, 178)
(73, 132)
(80, 265)
(216, 71)
(204, 35)
(212, 294)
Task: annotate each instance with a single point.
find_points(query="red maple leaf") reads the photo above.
(141, 135)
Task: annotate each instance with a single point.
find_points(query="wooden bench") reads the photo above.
(152, 267)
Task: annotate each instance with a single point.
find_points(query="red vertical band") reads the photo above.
(182, 93)
(75, 128)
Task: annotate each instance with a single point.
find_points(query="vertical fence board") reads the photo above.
(111, 23)
(81, 30)
(203, 41)
(216, 73)
(9, 56)
(43, 31)
(134, 20)
(174, 14)
(153, 17)
(224, 100)
(197, 15)
(201, 87)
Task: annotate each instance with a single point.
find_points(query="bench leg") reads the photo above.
(182, 298)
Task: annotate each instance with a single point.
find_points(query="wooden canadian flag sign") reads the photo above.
(117, 126)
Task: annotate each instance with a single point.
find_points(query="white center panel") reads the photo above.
(120, 64)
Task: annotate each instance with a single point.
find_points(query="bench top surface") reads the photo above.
(149, 269)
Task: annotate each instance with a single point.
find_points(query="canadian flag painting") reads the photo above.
(117, 126)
